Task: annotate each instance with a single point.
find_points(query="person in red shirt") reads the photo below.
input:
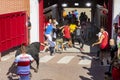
(66, 34)
(103, 42)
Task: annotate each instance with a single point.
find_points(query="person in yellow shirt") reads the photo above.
(64, 14)
(73, 27)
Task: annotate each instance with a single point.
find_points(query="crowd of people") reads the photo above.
(81, 19)
(75, 28)
(58, 38)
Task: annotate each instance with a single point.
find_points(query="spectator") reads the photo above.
(98, 51)
(73, 16)
(69, 17)
(81, 18)
(76, 14)
(29, 23)
(85, 17)
(89, 30)
(64, 15)
(113, 49)
(113, 53)
(103, 41)
(29, 28)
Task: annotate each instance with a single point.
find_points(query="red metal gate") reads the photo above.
(13, 30)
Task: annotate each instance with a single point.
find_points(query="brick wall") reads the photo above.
(9, 6)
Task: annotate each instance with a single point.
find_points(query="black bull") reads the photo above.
(33, 49)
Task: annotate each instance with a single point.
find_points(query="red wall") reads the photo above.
(13, 30)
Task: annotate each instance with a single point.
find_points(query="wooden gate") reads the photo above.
(13, 30)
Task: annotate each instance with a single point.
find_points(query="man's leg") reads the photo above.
(98, 54)
(82, 42)
(102, 54)
(72, 38)
(51, 50)
(70, 43)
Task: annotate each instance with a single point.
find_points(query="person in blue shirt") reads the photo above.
(49, 29)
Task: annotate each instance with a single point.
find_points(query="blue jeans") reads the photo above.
(25, 77)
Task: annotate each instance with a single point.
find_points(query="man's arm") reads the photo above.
(61, 27)
(100, 41)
